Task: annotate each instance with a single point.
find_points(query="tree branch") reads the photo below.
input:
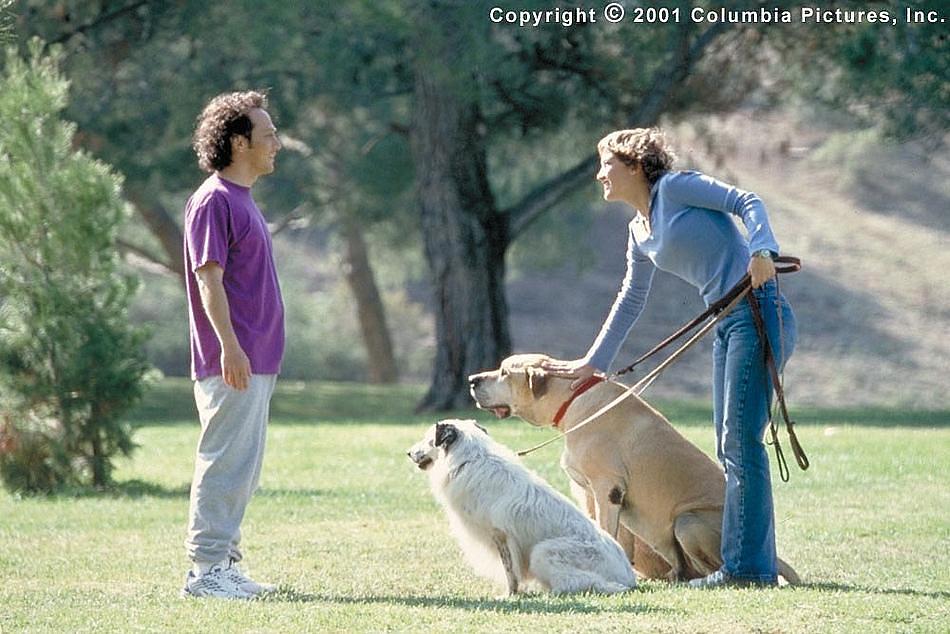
(547, 195)
(292, 219)
(155, 262)
(99, 20)
(163, 227)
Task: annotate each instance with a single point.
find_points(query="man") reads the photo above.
(236, 317)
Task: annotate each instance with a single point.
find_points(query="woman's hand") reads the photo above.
(577, 369)
(761, 270)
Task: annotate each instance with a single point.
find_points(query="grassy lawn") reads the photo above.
(347, 527)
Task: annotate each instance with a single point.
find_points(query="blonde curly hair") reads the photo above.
(224, 117)
(646, 147)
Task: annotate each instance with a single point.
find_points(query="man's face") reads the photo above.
(262, 150)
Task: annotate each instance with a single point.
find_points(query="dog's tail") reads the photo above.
(788, 573)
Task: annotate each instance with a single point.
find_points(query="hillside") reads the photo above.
(871, 224)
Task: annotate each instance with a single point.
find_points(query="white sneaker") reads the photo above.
(214, 583)
(244, 583)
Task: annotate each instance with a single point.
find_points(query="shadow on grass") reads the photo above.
(550, 604)
(129, 489)
(136, 489)
(844, 587)
(299, 493)
(527, 603)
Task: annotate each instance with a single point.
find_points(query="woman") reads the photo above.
(683, 225)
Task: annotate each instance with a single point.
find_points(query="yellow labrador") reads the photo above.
(632, 469)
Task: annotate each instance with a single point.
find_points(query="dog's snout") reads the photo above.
(475, 379)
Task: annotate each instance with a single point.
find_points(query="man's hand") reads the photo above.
(235, 367)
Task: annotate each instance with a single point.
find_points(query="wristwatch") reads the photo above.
(764, 253)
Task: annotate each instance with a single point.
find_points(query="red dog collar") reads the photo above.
(583, 387)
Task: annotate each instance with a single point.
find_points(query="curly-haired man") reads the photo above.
(236, 317)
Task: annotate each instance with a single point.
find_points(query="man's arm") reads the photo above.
(235, 366)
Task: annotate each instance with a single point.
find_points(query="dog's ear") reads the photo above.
(445, 434)
(537, 381)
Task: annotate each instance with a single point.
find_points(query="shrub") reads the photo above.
(70, 362)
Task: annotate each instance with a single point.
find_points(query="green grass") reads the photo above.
(347, 526)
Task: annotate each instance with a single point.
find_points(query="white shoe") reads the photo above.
(214, 583)
(233, 573)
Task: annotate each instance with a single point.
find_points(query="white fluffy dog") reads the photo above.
(511, 525)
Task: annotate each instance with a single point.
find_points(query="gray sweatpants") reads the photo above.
(227, 464)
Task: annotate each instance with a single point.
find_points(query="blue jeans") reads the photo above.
(742, 397)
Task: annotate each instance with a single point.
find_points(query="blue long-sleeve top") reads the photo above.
(693, 237)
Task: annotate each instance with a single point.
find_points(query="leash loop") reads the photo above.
(797, 450)
(783, 471)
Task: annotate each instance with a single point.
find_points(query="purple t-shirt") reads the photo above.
(223, 225)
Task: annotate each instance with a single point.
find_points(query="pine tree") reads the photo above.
(70, 363)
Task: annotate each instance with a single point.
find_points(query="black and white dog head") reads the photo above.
(441, 438)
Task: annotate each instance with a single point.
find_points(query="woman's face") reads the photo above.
(617, 177)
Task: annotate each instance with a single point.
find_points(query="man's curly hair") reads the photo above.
(224, 117)
(640, 146)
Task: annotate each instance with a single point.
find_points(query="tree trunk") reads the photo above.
(465, 239)
(381, 363)
(98, 462)
(465, 235)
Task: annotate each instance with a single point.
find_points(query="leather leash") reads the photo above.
(797, 450)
